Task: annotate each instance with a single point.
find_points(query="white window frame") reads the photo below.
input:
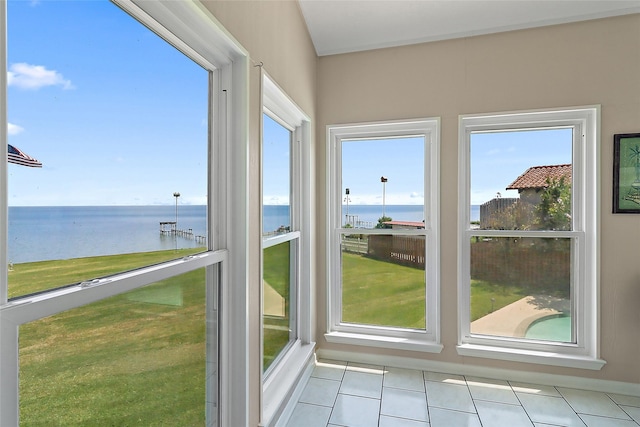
(293, 359)
(427, 340)
(293, 235)
(191, 28)
(585, 239)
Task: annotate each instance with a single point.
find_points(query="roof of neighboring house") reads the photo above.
(536, 176)
(406, 223)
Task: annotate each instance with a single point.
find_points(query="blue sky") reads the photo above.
(400, 161)
(118, 117)
(497, 159)
(115, 114)
(276, 162)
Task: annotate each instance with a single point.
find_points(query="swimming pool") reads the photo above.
(551, 328)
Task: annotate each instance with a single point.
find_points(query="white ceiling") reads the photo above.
(340, 26)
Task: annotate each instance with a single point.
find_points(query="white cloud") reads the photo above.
(14, 129)
(390, 199)
(275, 200)
(27, 76)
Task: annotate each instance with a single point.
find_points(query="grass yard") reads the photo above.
(387, 294)
(276, 273)
(139, 358)
(32, 277)
(382, 293)
(133, 359)
(482, 292)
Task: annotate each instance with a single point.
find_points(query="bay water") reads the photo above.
(65, 232)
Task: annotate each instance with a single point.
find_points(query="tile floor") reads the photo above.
(341, 394)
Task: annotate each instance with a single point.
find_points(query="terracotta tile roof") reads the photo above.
(406, 223)
(536, 176)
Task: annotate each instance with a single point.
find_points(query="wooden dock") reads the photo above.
(170, 227)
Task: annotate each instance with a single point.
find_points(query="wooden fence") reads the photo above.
(492, 208)
(538, 263)
(405, 250)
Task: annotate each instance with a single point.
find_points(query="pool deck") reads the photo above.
(514, 319)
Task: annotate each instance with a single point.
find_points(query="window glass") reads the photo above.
(383, 275)
(521, 180)
(118, 120)
(279, 280)
(383, 280)
(382, 180)
(521, 286)
(276, 183)
(138, 358)
(277, 295)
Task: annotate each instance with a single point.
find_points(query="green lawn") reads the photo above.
(139, 358)
(382, 293)
(276, 273)
(34, 277)
(483, 292)
(133, 359)
(387, 294)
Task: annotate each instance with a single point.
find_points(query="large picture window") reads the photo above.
(118, 178)
(111, 276)
(287, 225)
(280, 242)
(384, 234)
(528, 258)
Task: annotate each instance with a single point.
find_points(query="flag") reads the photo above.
(20, 158)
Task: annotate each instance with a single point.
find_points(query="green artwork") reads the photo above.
(628, 173)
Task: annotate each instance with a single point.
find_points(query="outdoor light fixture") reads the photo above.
(383, 180)
(176, 195)
(346, 199)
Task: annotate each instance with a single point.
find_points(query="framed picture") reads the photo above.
(626, 173)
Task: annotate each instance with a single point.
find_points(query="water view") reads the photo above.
(65, 232)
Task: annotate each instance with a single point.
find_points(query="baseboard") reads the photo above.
(618, 387)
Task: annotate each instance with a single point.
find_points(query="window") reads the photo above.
(138, 357)
(280, 242)
(528, 236)
(286, 246)
(118, 177)
(383, 234)
(166, 297)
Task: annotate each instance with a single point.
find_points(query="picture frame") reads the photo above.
(626, 173)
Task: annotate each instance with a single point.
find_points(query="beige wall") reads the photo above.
(595, 62)
(273, 33)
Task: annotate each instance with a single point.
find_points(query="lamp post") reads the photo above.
(346, 199)
(176, 195)
(383, 180)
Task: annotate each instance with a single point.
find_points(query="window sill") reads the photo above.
(383, 342)
(530, 356)
(282, 380)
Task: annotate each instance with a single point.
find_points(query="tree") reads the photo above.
(382, 220)
(554, 210)
(517, 216)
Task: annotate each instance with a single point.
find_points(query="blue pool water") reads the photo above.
(551, 328)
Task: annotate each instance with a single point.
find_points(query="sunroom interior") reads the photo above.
(580, 73)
